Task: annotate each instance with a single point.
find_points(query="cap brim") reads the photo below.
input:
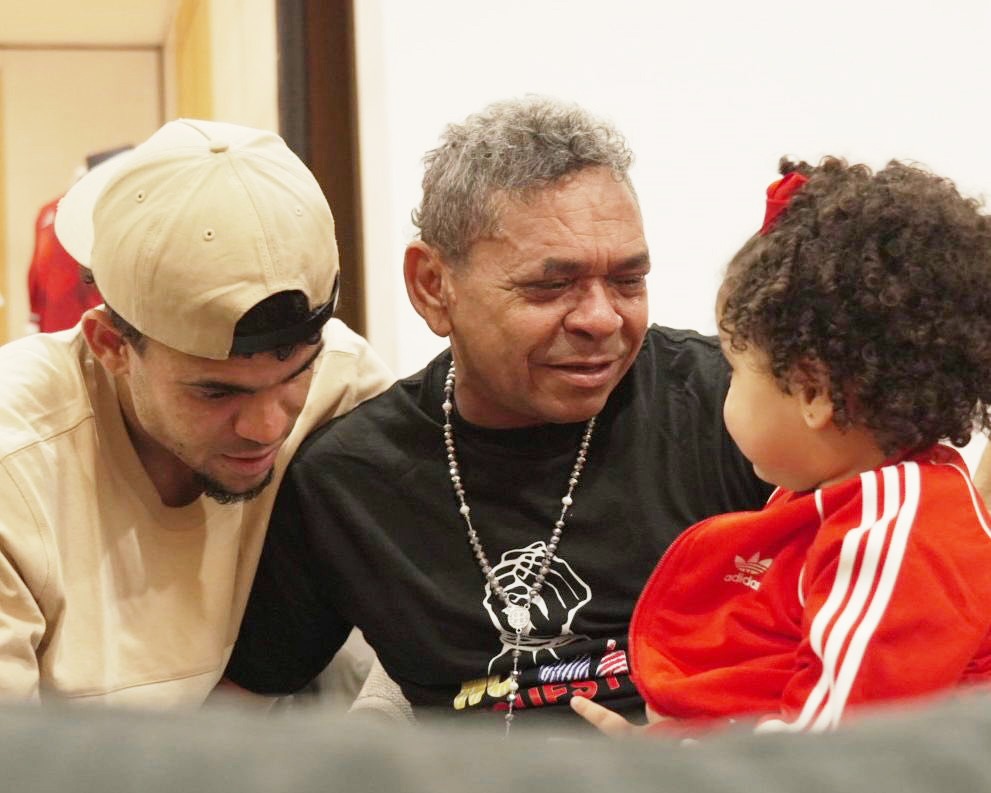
(74, 215)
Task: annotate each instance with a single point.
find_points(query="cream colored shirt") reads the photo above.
(105, 594)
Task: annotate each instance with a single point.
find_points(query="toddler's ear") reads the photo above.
(813, 393)
(817, 408)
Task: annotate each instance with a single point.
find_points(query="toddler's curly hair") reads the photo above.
(883, 279)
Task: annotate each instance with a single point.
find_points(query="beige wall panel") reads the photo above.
(193, 59)
(4, 336)
(222, 61)
(245, 62)
(57, 106)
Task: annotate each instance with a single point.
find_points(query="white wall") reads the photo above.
(709, 93)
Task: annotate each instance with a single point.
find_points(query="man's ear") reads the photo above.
(106, 341)
(812, 383)
(426, 276)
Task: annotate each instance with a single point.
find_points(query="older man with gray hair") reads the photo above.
(489, 522)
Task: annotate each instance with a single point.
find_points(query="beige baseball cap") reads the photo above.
(190, 229)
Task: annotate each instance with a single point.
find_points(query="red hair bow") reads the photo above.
(779, 195)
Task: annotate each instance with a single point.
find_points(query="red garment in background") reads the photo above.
(58, 294)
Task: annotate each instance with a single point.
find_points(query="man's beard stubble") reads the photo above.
(213, 489)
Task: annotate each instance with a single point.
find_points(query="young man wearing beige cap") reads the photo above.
(139, 452)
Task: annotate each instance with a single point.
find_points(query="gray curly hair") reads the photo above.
(509, 150)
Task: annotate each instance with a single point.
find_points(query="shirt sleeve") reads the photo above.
(349, 372)
(22, 624)
(896, 601)
(290, 630)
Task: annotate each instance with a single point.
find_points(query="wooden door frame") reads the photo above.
(318, 117)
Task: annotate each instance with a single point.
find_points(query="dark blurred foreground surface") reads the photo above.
(943, 746)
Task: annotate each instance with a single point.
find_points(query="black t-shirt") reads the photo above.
(366, 532)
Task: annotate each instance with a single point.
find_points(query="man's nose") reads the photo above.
(595, 314)
(264, 419)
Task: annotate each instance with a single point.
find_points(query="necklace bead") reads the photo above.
(517, 614)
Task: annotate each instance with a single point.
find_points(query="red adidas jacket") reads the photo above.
(874, 589)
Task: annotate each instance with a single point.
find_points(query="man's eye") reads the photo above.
(214, 395)
(552, 286)
(631, 281)
(547, 288)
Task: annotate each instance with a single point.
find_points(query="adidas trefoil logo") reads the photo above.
(749, 571)
(754, 564)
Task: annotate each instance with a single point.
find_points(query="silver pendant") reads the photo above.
(518, 617)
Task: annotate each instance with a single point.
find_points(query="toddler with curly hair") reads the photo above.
(857, 325)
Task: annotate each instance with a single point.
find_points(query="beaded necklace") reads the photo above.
(517, 614)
